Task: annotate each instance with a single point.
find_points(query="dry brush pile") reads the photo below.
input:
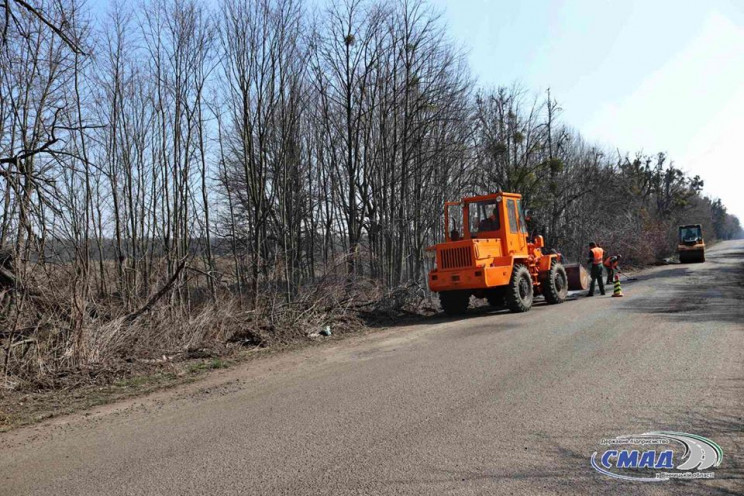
(51, 337)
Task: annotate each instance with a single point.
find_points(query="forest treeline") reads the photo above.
(175, 172)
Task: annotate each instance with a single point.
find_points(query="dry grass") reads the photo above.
(54, 340)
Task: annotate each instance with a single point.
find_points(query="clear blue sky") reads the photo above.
(653, 75)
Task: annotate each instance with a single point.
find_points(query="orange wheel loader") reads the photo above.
(488, 254)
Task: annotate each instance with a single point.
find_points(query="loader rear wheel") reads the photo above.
(519, 293)
(454, 302)
(555, 284)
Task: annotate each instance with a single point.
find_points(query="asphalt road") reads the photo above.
(494, 403)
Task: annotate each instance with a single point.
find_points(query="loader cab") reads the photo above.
(496, 217)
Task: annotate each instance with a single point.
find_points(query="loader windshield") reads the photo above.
(484, 218)
(690, 234)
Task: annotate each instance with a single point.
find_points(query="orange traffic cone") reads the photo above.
(618, 291)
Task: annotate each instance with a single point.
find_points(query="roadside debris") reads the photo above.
(326, 331)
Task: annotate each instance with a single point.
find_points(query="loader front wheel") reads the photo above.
(454, 302)
(519, 293)
(555, 284)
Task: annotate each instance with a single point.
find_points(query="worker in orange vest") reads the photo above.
(611, 265)
(490, 223)
(596, 257)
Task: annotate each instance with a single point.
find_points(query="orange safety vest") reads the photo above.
(598, 254)
(609, 263)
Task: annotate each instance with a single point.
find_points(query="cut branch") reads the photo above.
(154, 298)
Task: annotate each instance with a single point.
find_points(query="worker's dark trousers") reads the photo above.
(610, 275)
(597, 276)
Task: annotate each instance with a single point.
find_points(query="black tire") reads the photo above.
(454, 302)
(495, 297)
(520, 292)
(686, 257)
(555, 284)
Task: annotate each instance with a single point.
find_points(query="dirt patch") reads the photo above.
(78, 390)
(86, 389)
(206, 376)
